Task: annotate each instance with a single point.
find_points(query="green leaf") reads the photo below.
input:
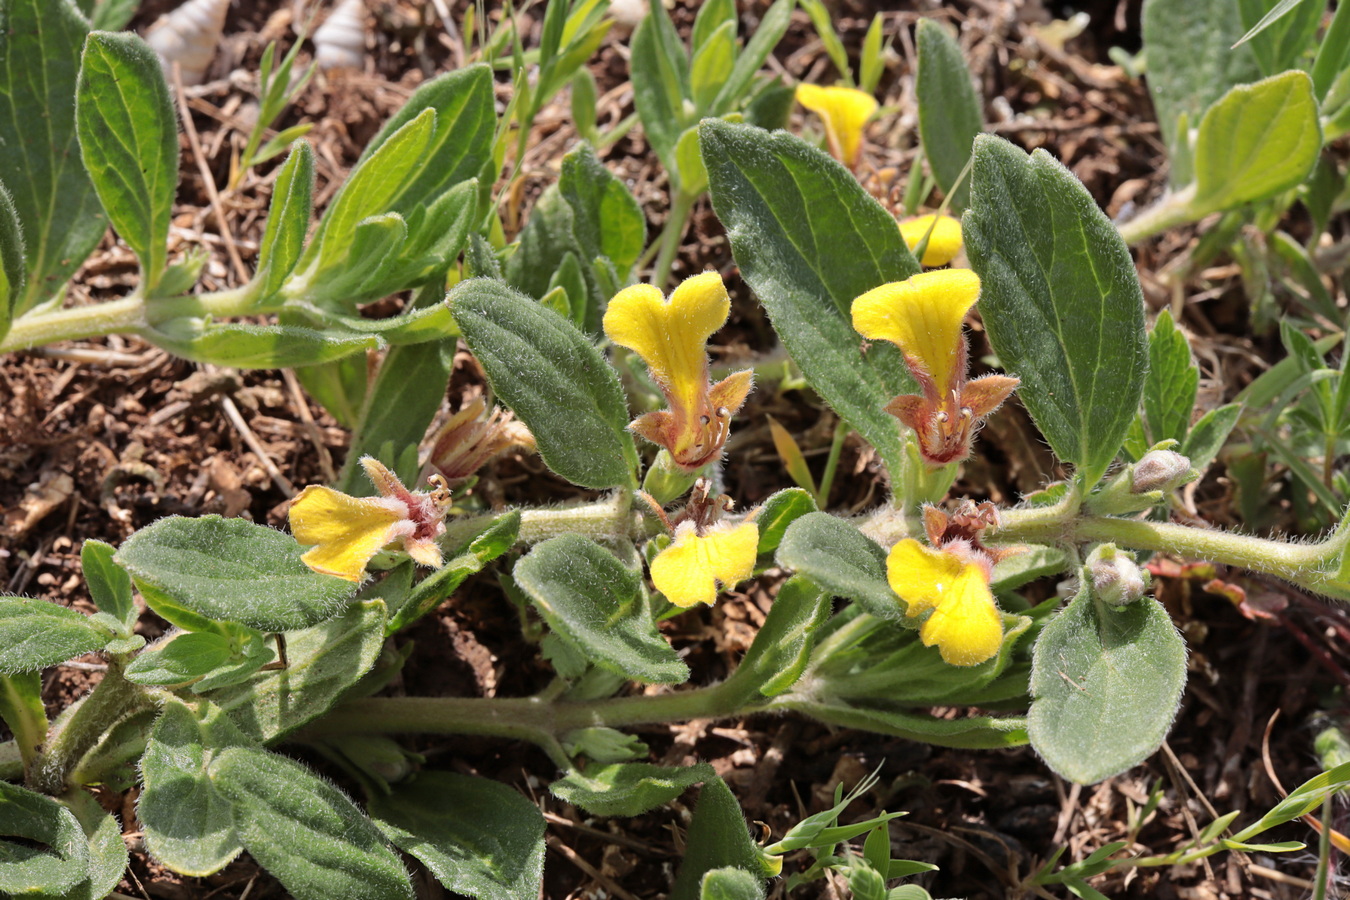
(778, 512)
(718, 837)
(11, 260)
(783, 644)
(712, 64)
(1280, 32)
(323, 663)
(1208, 435)
(1333, 54)
(113, 15)
(478, 837)
(108, 583)
(244, 346)
(304, 831)
(551, 376)
(969, 733)
(1060, 300)
(772, 26)
(843, 561)
(39, 633)
(188, 826)
(22, 711)
(437, 587)
(950, 114)
(1105, 684)
(57, 209)
(53, 857)
(129, 141)
(398, 407)
(232, 570)
(660, 75)
(730, 883)
(1022, 568)
(283, 239)
(1256, 141)
(1169, 387)
(628, 789)
(107, 851)
(188, 656)
(809, 240)
(589, 598)
(1191, 62)
(607, 219)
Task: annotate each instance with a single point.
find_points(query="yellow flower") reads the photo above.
(964, 623)
(922, 315)
(944, 242)
(693, 568)
(844, 111)
(348, 531)
(671, 337)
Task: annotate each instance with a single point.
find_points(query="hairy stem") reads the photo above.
(680, 207)
(1172, 210)
(112, 699)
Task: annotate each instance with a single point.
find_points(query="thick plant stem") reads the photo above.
(528, 718)
(680, 208)
(128, 314)
(1279, 558)
(1174, 209)
(612, 518)
(74, 735)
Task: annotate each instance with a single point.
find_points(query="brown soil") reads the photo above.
(103, 438)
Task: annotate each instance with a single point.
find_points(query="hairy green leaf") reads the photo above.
(53, 858)
(283, 239)
(39, 633)
(1191, 62)
(950, 114)
(809, 240)
(628, 789)
(1256, 141)
(108, 583)
(129, 141)
(232, 570)
(56, 206)
(1169, 388)
(1060, 300)
(107, 851)
(782, 646)
(843, 561)
(554, 379)
(303, 830)
(12, 265)
(478, 837)
(188, 826)
(240, 345)
(718, 837)
(1105, 684)
(589, 598)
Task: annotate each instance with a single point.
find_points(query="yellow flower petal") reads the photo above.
(689, 571)
(965, 624)
(943, 244)
(347, 531)
(920, 575)
(922, 315)
(844, 111)
(671, 336)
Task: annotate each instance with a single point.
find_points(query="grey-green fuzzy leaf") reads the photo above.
(809, 240)
(1060, 300)
(39, 633)
(950, 114)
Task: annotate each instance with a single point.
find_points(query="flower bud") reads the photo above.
(473, 436)
(666, 480)
(1116, 579)
(1161, 470)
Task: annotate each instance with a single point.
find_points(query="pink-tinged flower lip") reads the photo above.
(671, 337)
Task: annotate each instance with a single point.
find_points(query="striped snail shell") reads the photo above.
(189, 36)
(340, 42)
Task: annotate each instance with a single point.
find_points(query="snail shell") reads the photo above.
(340, 42)
(189, 36)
